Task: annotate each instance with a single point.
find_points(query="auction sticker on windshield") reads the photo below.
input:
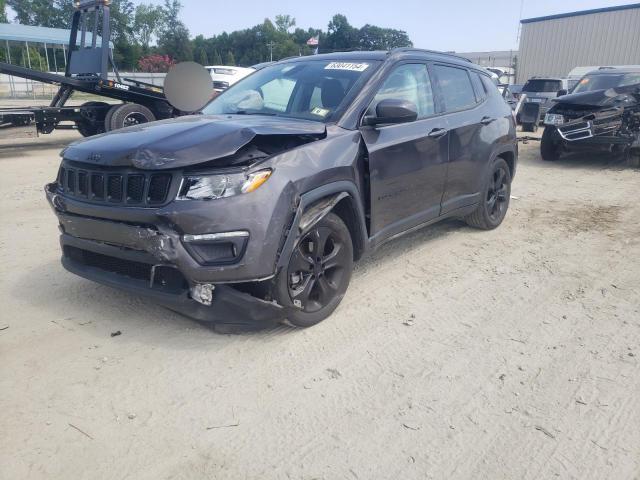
(354, 67)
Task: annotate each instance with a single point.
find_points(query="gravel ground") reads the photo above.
(458, 354)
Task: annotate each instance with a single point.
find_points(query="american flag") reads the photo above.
(313, 42)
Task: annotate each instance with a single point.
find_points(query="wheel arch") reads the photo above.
(510, 155)
(341, 198)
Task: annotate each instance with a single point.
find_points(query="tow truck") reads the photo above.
(87, 71)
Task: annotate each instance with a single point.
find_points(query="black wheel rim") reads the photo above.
(134, 119)
(316, 269)
(497, 194)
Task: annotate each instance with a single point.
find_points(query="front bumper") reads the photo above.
(151, 260)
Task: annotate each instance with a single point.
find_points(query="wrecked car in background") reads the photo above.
(255, 210)
(602, 112)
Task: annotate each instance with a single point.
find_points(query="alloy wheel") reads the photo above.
(316, 271)
(497, 194)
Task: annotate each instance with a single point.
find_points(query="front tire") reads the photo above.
(550, 144)
(318, 273)
(495, 198)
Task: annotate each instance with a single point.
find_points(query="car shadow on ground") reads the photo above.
(586, 161)
(74, 303)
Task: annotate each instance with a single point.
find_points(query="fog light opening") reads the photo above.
(203, 293)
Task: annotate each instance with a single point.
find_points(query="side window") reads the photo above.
(481, 93)
(408, 82)
(455, 87)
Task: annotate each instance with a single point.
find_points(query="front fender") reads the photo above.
(315, 205)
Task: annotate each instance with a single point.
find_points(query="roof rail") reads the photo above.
(422, 50)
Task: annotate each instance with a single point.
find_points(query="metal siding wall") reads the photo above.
(554, 47)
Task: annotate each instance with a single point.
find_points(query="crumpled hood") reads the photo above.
(185, 141)
(600, 98)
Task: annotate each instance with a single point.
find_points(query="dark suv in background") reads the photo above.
(255, 210)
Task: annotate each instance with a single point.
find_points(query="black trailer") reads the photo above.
(87, 71)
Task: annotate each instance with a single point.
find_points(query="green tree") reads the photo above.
(217, 59)
(201, 57)
(173, 39)
(46, 13)
(377, 38)
(284, 23)
(3, 12)
(341, 35)
(229, 58)
(147, 21)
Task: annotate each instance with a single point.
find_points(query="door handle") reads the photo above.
(437, 132)
(487, 120)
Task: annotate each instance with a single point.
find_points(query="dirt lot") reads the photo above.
(458, 354)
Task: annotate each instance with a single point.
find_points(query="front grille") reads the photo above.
(165, 278)
(106, 186)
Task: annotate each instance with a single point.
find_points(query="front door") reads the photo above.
(407, 161)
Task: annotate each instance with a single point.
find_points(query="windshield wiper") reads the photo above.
(245, 112)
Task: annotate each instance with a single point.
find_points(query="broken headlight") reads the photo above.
(210, 187)
(553, 119)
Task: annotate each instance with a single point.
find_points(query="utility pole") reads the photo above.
(271, 45)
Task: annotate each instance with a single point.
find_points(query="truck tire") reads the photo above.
(88, 128)
(127, 115)
(550, 144)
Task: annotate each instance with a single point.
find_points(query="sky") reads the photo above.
(453, 25)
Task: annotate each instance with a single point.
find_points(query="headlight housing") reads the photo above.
(553, 119)
(210, 187)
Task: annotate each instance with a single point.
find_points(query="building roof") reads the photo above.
(581, 12)
(51, 36)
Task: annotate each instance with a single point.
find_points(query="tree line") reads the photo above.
(147, 30)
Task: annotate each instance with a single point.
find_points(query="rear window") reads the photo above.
(542, 86)
(455, 87)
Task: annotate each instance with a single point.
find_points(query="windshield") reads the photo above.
(600, 81)
(312, 90)
(542, 86)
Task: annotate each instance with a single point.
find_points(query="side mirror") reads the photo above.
(562, 92)
(392, 110)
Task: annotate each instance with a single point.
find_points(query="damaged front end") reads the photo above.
(167, 214)
(146, 260)
(598, 118)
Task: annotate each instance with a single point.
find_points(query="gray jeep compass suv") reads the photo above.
(254, 211)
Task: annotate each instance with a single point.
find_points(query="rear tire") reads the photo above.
(127, 115)
(550, 144)
(494, 202)
(317, 275)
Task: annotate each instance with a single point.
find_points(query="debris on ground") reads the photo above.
(545, 431)
(81, 431)
(115, 334)
(410, 426)
(237, 424)
(131, 416)
(333, 373)
(4, 327)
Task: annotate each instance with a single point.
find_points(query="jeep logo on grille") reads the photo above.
(94, 157)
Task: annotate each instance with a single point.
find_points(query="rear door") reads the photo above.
(467, 118)
(407, 161)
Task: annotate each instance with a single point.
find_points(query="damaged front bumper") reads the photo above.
(154, 262)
